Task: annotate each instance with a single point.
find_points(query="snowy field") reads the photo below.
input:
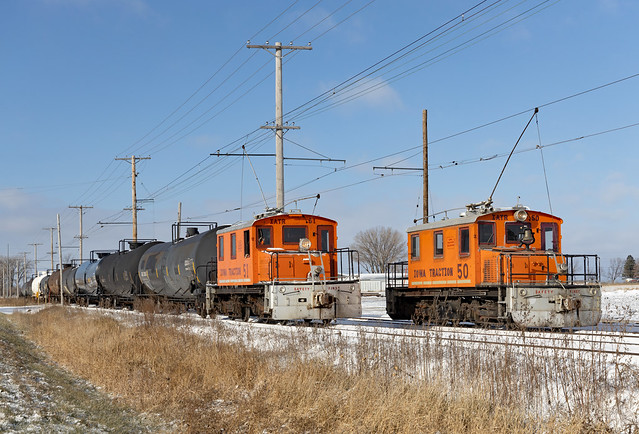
(620, 302)
(539, 358)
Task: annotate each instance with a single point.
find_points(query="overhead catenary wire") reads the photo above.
(378, 84)
(176, 139)
(365, 72)
(95, 189)
(203, 85)
(207, 157)
(340, 22)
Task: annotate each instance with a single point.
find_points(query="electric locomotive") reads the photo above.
(494, 266)
(282, 266)
(279, 266)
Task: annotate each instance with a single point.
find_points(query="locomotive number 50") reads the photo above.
(462, 271)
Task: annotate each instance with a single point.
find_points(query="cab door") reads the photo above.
(325, 237)
(549, 238)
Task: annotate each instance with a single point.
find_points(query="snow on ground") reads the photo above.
(348, 339)
(620, 302)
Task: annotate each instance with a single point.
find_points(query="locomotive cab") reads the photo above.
(490, 265)
(285, 266)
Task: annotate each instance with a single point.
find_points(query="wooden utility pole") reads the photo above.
(279, 124)
(134, 201)
(425, 156)
(7, 291)
(60, 261)
(52, 251)
(25, 270)
(81, 237)
(35, 256)
(423, 169)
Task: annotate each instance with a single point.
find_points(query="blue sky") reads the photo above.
(86, 81)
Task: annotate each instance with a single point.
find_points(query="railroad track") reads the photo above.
(592, 341)
(622, 344)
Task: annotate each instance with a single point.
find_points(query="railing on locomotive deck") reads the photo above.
(397, 274)
(347, 272)
(210, 268)
(581, 269)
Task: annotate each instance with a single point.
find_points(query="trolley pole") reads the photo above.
(279, 125)
(134, 207)
(425, 155)
(80, 237)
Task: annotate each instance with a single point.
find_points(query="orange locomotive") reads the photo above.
(283, 266)
(493, 265)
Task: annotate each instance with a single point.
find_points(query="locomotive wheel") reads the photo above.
(201, 310)
(246, 313)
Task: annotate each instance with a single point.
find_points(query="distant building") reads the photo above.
(373, 284)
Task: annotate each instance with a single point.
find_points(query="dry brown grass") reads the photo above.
(209, 384)
(19, 301)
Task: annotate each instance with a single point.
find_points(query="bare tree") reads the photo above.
(615, 269)
(378, 246)
(16, 277)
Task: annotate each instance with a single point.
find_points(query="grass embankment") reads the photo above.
(209, 384)
(38, 396)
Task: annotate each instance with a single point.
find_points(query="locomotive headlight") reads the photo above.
(305, 244)
(521, 215)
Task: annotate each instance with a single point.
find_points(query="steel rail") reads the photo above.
(505, 343)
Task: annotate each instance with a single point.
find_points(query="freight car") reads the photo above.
(86, 282)
(494, 266)
(117, 273)
(178, 271)
(36, 285)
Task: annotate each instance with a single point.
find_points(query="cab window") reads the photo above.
(514, 231)
(439, 244)
(324, 240)
(549, 237)
(293, 234)
(414, 246)
(486, 233)
(220, 246)
(247, 244)
(464, 242)
(233, 246)
(264, 236)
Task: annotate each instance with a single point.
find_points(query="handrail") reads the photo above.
(337, 258)
(397, 274)
(572, 275)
